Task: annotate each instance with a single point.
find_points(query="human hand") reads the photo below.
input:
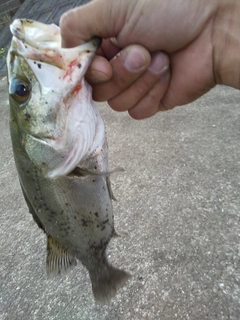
(187, 31)
(138, 79)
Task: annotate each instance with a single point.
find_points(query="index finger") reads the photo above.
(76, 26)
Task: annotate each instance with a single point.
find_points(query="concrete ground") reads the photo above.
(178, 199)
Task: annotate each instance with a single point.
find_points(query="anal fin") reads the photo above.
(58, 259)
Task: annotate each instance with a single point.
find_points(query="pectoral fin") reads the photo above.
(118, 234)
(110, 189)
(80, 172)
(58, 259)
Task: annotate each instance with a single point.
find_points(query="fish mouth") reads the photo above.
(41, 36)
(41, 43)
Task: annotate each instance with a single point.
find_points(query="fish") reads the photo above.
(61, 153)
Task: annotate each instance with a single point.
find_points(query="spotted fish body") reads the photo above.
(60, 151)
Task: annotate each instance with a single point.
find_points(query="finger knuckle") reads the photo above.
(152, 97)
(115, 105)
(142, 87)
(64, 20)
(164, 107)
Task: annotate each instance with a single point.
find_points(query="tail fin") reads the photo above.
(106, 283)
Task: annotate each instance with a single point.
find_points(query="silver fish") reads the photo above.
(60, 151)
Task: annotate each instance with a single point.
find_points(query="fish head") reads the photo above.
(50, 102)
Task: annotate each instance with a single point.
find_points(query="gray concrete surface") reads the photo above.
(179, 202)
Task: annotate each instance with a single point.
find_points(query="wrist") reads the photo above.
(226, 44)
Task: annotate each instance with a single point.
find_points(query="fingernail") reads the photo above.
(135, 60)
(97, 77)
(159, 63)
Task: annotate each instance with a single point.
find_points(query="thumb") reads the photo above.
(96, 18)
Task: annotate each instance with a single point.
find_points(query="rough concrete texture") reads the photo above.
(178, 200)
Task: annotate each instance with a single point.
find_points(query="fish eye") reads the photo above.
(20, 91)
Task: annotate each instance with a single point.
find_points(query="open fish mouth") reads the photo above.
(38, 41)
(40, 46)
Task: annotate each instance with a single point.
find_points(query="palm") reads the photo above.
(191, 73)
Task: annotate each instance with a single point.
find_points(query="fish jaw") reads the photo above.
(62, 120)
(40, 46)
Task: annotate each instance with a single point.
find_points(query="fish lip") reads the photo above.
(32, 45)
(35, 47)
(17, 30)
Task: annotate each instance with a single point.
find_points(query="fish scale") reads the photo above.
(61, 153)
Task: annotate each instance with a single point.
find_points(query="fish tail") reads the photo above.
(107, 281)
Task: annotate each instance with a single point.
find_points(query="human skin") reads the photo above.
(157, 54)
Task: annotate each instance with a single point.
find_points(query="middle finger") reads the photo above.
(133, 94)
(128, 65)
